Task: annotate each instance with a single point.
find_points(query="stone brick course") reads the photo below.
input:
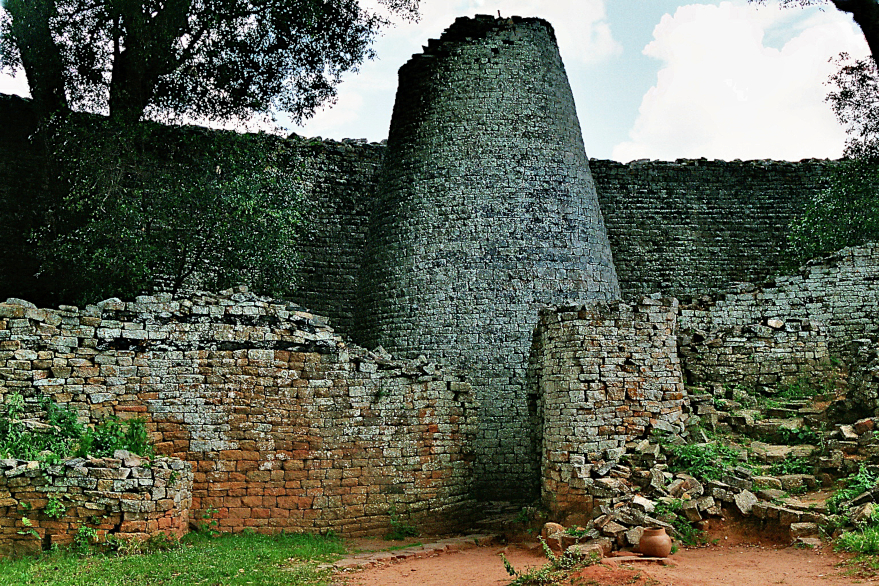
(696, 226)
(286, 427)
(127, 497)
(607, 374)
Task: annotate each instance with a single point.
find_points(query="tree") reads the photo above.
(864, 12)
(208, 59)
(846, 212)
(150, 207)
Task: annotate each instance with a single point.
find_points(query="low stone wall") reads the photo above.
(285, 426)
(786, 330)
(758, 356)
(608, 373)
(841, 292)
(128, 497)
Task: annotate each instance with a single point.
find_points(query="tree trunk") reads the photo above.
(39, 53)
(148, 54)
(866, 15)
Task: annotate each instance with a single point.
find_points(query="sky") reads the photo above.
(652, 79)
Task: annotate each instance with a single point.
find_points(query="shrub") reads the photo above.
(57, 434)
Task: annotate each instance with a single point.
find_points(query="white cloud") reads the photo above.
(14, 85)
(722, 93)
(366, 99)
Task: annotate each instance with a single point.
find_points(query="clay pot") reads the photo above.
(655, 543)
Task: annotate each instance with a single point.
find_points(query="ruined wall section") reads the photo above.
(486, 209)
(285, 426)
(607, 374)
(761, 336)
(695, 226)
(127, 497)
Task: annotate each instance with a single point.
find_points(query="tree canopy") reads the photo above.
(846, 213)
(206, 59)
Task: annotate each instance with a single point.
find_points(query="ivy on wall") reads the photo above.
(144, 207)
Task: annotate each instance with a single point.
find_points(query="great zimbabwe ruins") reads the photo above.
(484, 314)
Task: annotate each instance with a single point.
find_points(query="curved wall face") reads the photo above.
(486, 210)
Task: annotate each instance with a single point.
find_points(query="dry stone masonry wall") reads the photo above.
(696, 226)
(683, 228)
(486, 209)
(608, 374)
(284, 425)
(339, 178)
(760, 336)
(127, 497)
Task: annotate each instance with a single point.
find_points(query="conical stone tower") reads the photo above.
(485, 212)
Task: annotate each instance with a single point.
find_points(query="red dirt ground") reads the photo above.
(742, 556)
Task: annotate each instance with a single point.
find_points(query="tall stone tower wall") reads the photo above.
(485, 211)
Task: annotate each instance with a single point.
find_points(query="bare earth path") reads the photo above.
(723, 564)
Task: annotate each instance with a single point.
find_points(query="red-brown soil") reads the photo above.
(742, 556)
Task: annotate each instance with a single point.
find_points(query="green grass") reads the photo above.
(243, 559)
(864, 541)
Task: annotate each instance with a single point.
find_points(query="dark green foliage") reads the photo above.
(25, 435)
(792, 465)
(147, 206)
(210, 59)
(671, 511)
(798, 436)
(114, 434)
(846, 213)
(862, 481)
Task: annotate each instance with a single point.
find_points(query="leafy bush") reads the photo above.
(857, 483)
(144, 206)
(671, 511)
(114, 434)
(799, 436)
(25, 438)
(792, 465)
(846, 213)
(57, 434)
(707, 461)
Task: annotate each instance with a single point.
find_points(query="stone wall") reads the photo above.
(697, 226)
(127, 497)
(607, 374)
(340, 180)
(683, 228)
(862, 397)
(785, 330)
(285, 426)
(486, 210)
(22, 182)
